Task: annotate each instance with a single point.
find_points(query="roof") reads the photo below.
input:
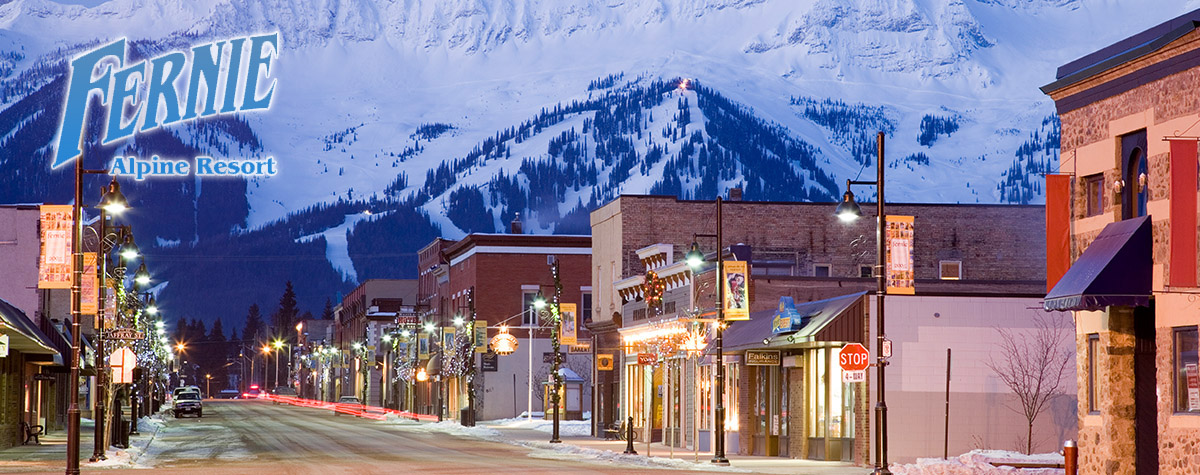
(817, 316)
(1116, 269)
(24, 336)
(1137, 42)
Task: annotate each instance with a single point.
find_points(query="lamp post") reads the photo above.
(555, 318)
(695, 259)
(112, 202)
(848, 211)
(208, 385)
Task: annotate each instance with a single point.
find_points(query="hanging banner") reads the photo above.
(480, 337)
(1058, 228)
(1183, 214)
(110, 308)
(900, 277)
(423, 346)
(737, 290)
(568, 332)
(447, 340)
(91, 295)
(54, 264)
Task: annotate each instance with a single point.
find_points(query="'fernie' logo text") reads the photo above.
(219, 66)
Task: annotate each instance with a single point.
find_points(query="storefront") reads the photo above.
(799, 405)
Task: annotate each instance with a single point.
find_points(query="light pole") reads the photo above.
(848, 211)
(555, 318)
(111, 202)
(695, 259)
(208, 385)
(266, 350)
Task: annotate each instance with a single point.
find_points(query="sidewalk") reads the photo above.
(51, 453)
(738, 463)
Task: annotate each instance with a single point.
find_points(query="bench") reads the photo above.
(31, 432)
(613, 432)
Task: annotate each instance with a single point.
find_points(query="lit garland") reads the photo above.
(653, 288)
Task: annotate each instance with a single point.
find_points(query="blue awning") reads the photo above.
(1115, 270)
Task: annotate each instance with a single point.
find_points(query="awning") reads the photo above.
(23, 335)
(1115, 270)
(838, 319)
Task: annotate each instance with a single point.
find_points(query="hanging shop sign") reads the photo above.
(54, 263)
(479, 337)
(568, 333)
(737, 292)
(89, 299)
(490, 362)
(647, 358)
(763, 357)
(900, 278)
(122, 361)
(504, 343)
(604, 362)
(3, 345)
(580, 349)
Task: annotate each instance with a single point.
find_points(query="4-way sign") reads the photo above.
(854, 360)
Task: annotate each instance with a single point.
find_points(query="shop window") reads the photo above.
(1094, 187)
(821, 270)
(1093, 345)
(950, 270)
(1187, 371)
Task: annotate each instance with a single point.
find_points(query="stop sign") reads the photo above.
(854, 357)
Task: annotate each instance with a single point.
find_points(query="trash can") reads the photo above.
(466, 417)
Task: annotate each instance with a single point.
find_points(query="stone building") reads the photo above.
(970, 280)
(1122, 215)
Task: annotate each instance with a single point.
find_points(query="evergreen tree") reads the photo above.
(284, 318)
(327, 313)
(254, 328)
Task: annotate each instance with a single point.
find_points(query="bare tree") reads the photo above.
(1033, 364)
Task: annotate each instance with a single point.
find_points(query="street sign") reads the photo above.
(122, 361)
(854, 357)
(125, 334)
(887, 348)
(854, 376)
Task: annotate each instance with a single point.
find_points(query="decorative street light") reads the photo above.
(848, 211)
(695, 259)
(539, 302)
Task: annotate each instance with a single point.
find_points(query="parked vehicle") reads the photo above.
(188, 402)
(228, 394)
(184, 389)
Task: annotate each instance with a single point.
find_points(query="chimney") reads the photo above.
(735, 194)
(515, 226)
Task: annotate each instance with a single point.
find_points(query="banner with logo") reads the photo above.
(900, 277)
(91, 295)
(448, 340)
(54, 263)
(480, 337)
(736, 280)
(568, 332)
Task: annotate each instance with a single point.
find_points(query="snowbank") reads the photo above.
(565, 428)
(981, 462)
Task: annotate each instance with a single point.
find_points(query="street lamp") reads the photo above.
(539, 302)
(141, 277)
(848, 211)
(695, 259)
(208, 385)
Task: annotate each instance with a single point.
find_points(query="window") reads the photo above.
(1094, 187)
(668, 307)
(529, 315)
(821, 270)
(951, 270)
(585, 307)
(1187, 371)
(865, 271)
(1093, 345)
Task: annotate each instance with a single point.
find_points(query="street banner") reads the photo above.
(568, 333)
(423, 346)
(448, 340)
(736, 280)
(480, 341)
(110, 308)
(90, 297)
(1058, 227)
(54, 264)
(1193, 387)
(1182, 213)
(900, 258)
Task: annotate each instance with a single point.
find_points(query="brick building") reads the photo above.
(970, 279)
(366, 313)
(505, 272)
(1124, 220)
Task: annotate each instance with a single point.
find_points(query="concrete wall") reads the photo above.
(504, 393)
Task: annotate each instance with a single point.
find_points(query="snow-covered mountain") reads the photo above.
(446, 117)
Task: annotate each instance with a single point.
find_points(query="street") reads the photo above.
(256, 436)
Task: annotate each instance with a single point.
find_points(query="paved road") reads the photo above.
(260, 437)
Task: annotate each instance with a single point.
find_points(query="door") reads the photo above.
(1145, 391)
(1134, 172)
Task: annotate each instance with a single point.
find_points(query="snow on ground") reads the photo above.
(565, 428)
(446, 427)
(132, 456)
(980, 462)
(546, 450)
